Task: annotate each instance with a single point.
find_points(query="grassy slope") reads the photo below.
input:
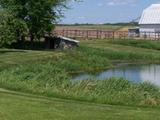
(119, 52)
(83, 57)
(78, 58)
(10, 57)
(129, 45)
(138, 43)
(17, 106)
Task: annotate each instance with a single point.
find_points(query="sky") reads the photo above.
(105, 11)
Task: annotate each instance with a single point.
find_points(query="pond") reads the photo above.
(133, 72)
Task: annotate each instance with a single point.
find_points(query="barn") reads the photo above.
(150, 21)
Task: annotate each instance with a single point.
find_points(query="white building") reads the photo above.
(150, 21)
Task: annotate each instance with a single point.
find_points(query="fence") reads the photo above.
(103, 34)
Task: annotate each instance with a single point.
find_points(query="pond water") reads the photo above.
(134, 72)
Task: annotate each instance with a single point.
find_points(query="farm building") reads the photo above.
(133, 32)
(59, 42)
(150, 21)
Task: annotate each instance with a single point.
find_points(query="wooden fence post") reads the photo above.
(105, 35)
(87, 33)
(113, 35)
(63, 32)
(97, 34)
(66, 33)
(75, 33)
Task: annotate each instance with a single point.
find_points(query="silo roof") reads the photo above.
(151, 15)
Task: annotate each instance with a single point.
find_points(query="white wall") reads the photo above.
(150, 30)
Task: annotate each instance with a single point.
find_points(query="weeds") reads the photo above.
(48, 79)
(50, 76)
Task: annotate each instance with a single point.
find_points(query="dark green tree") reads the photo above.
(33, 18)
(9, 27)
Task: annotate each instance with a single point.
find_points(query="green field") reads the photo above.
(47, 74)
(149, 44)
(18, 106)
(9, 57)
(103, 27)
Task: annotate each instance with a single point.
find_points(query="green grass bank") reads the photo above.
(48, 73)
(17, 106)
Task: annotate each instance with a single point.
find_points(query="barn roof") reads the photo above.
(151, 15)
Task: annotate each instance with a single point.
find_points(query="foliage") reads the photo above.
(47, 73)
(8, 28)
(49, 80)
(38, 17)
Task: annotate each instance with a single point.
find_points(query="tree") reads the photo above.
(8, 28)
(32, 17)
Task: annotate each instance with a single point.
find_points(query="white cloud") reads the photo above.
(100, 4)
(111, 3)
(81, 17)
(121, 2)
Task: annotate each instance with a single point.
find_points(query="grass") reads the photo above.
(138, 43)
(93, 55)
(104, 27)
(17, 106)
(123, 52)
(96, 54)
(10, 57)
(50, 80)
(47, 73)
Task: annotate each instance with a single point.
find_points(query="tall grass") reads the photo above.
(50, 76)
(49, 80)
(88, 58)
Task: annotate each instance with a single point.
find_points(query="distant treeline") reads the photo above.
(116, 24)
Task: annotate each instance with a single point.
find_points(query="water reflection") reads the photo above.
(136, 73)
